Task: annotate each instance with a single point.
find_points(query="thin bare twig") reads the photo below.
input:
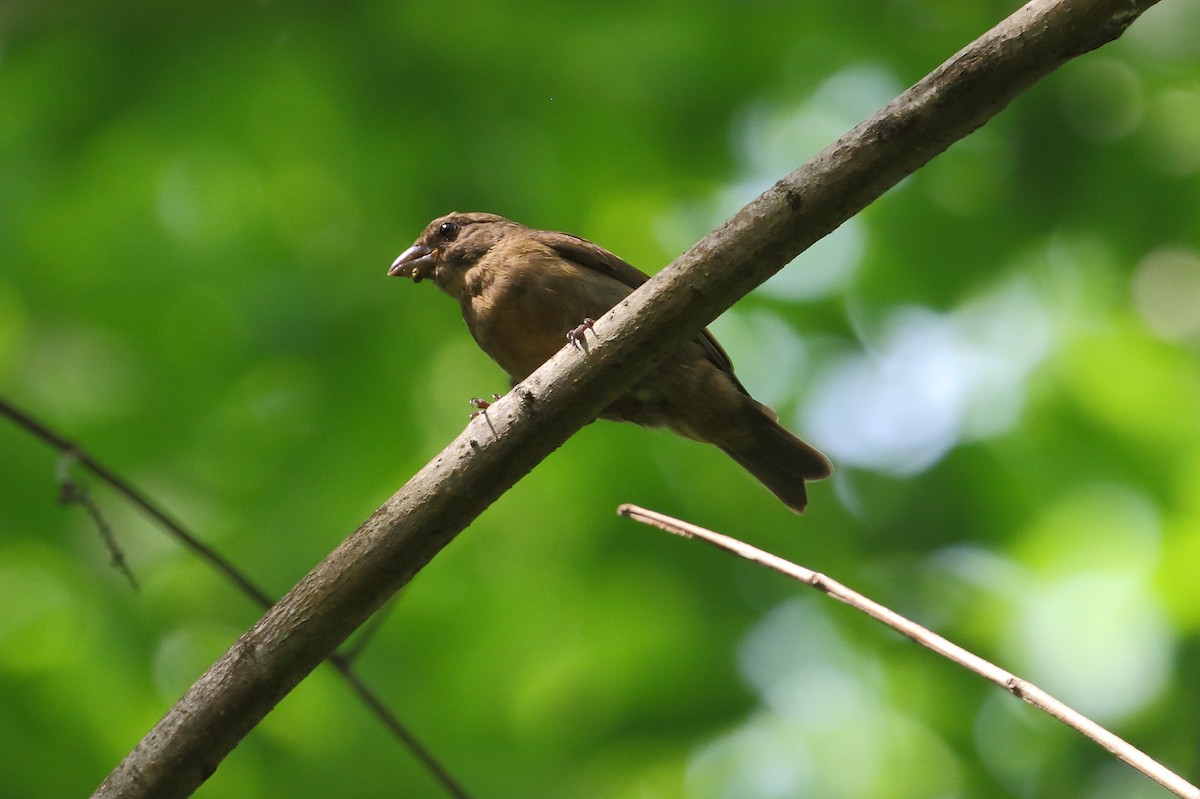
(138, 499)
(72, 454)
(927, 638)
(70, 492)
(357, 645)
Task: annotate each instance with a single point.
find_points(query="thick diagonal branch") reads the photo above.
(307, 625)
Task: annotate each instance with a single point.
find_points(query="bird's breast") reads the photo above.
(520, 311)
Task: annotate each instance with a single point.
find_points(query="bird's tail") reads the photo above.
(778, 459)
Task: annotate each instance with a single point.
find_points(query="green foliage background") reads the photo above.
(198, 202)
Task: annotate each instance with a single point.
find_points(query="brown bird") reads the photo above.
(524, 293)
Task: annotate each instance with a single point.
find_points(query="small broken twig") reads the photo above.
(71, 492)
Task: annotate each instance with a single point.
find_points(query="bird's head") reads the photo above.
(452, 242)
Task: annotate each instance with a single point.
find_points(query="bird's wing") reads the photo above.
(591, 256)
(588, 255)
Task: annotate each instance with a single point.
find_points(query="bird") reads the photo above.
(524, 293)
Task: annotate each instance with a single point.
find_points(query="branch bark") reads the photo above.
(533, 419)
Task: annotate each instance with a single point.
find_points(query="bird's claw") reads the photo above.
(578, 336)
(481, 405)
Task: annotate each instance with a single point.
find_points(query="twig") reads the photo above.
(137, 498)
(72, 493)
(927, 638)
(357, 645)
(393, 724)
(72, 453)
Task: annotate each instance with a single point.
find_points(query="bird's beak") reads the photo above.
(415, 262)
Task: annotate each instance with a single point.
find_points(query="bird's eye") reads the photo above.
(448, 231)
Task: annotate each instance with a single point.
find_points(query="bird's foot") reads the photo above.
(578, 336)
(481, 405)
